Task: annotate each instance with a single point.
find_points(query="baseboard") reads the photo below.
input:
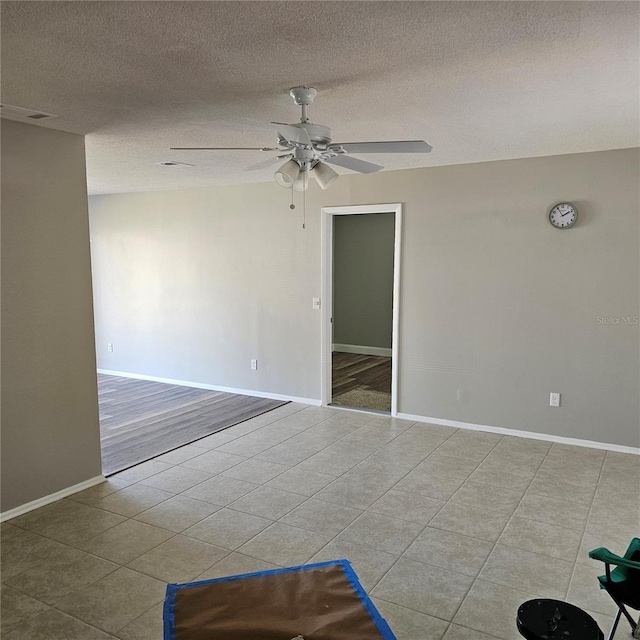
(53, 497)
(362, 350)
(213, 387)
(591, 444)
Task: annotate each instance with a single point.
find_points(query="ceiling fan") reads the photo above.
(308, 149)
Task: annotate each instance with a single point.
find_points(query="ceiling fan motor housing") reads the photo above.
(319, 134)
(305, 158)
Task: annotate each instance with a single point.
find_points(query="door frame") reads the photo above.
(327, 293)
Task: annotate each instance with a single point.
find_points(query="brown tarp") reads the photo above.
(318, 604)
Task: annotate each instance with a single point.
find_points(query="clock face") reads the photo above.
(563, 215)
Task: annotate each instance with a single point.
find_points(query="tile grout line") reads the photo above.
(446, 502)
(336, 478)
(227, 506)
(586, 522)
(306, 499)
(449, 622)
(127, 518)
(513, 515)
(477, 577)
(173, 495)
(370, 591)
(345, 472)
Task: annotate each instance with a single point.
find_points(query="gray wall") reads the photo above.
(193, 284)
(497, 308)
(363, 280)
(50, 435)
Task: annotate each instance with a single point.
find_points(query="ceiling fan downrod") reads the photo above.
(303, 97)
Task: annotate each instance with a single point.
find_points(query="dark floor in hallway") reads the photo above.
(366, 380)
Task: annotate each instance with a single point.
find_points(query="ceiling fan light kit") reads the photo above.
(308, 149)
(287, 174)
(323, 174)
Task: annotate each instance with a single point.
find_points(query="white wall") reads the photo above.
(498, 309)
(50, 433)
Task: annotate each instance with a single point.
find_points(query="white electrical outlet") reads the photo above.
(554, 400)
(254, 365)
(110, 346)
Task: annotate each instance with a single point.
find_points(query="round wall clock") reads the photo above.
(563, 215)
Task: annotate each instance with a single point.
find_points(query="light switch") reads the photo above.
(316, 303)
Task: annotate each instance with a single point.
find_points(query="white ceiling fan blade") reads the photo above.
(225, 149)
(267, 163)
(293, 134)
(397, 146)
(354, 164)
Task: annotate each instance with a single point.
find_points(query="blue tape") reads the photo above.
(170, 598)
(378, 620)
(168, 616)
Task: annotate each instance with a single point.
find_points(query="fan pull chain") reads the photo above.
(304, 209)
(304, 206)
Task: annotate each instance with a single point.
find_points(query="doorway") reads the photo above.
(361, 283)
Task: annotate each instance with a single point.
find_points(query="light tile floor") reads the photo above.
(449, 530)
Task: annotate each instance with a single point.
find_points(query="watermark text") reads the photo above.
(617, 319)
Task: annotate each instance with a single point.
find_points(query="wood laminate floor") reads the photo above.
(352, 370)
(140, 419)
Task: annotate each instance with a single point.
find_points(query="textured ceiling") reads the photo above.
(478, 80)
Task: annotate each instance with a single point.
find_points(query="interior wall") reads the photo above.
(363, 280)
(50, 433)
(497, 309)
(192, 285)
